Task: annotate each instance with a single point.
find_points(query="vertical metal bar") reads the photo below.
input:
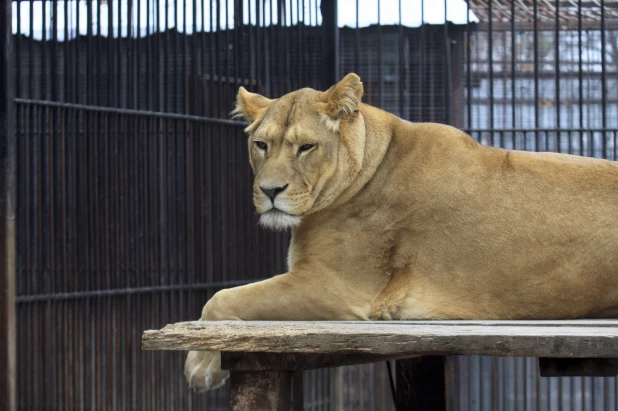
(513, 59)
(380, 52)
(106, 264)
(258, 42)
(130, 320)
(137, 77)
(158, 63)
(189, 218)
(44, 53)
(490, 52)
(217, 72)
(227, 82)
(300, 40)
(580, 73)
(401, 77)
(8, 166)
(74, 347)
(23, 198)
(144, 212)
(557, 72)
(280, 33)
(357, 41)
(111, 89)
(65, 53)
(149, 104)
(193, 82)
(90, 93)
(164, 78)
(77, 59)
(330, 43)
(17, 53)
(30, 52)
(53, 64)
(178, 76)
(292, 75)
(154, 227)
(604, 137)
(38, 368)
(52, 360)
(535, 34)
(468, 65)
(98, 58)
(422, 69)
(448, 69)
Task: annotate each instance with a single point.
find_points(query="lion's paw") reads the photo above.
(203, 370)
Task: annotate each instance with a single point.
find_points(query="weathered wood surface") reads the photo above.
(598, 338)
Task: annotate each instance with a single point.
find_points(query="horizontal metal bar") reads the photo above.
(541, 130)
(128, 291)
(568, 25)
(128, 112)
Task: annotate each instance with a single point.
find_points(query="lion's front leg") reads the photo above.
(284, 297)
(203, 370)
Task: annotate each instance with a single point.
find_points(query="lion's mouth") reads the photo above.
(276, 210)
(278, 220)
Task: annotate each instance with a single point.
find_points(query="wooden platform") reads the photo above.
(272, 354)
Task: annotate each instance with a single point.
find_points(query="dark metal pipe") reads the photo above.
(604, 137)
(535, 35)
(557, 70)
(490, 56)
(142, 113)
(8, 167)
(513, 60)
(448, 71)
(330, 42)
(469, 66)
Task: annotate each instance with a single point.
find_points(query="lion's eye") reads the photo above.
(261, 145)
(305, 147)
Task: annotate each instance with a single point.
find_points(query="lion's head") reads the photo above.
(305, 148)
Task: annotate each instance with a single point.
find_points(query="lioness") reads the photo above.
(396, 220)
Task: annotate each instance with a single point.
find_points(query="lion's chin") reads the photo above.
(278, 220)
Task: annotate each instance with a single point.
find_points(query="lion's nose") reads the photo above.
(272, 192)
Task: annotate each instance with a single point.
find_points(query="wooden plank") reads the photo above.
(267, 361)
(578, 367)
(265, 391)
(421, 384)
(386, 338)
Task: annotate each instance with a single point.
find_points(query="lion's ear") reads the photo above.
(249, 105)
(343, 99)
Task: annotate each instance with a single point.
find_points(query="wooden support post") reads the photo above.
(266, 391)
(420, 384)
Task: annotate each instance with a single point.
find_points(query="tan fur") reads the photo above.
(418, 221)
